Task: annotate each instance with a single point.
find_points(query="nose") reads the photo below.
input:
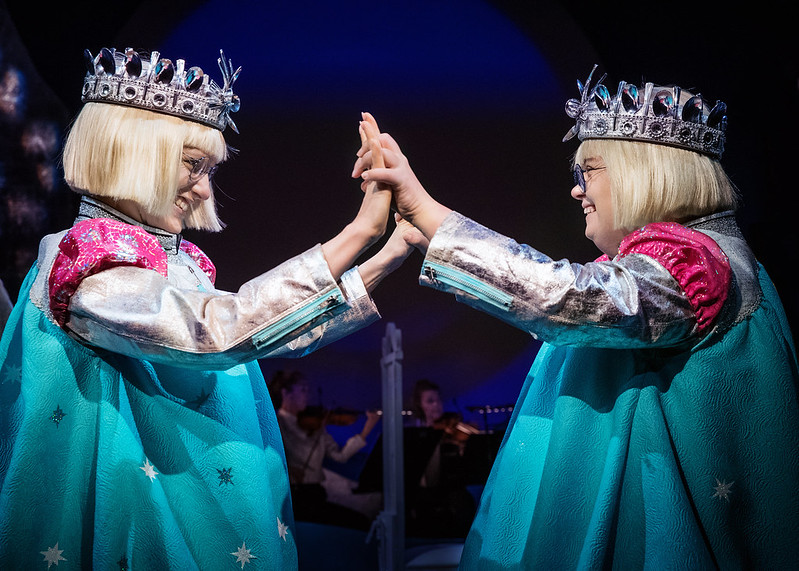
(577, 192)
(202, 188)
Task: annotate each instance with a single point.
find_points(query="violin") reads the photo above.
(313, 417)
(455, 430)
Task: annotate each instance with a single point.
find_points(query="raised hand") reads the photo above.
(412, 201)
(369, 224)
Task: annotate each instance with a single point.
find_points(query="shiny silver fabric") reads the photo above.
(290, 310)
(630, 302)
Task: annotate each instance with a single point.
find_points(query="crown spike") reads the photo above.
(653, 116)
(133, 65)
(160, 85)
(106, 61)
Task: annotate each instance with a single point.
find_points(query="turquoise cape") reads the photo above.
(109, 462)
(651, 459)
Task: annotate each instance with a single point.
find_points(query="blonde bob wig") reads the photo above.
(659, 183)
(127, 153)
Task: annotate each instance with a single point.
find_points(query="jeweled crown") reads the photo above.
(660, 115)
(158, 84)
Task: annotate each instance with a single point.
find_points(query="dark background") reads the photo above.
(473, 91)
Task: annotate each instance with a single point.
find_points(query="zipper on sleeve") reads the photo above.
(298, 318)
(467, 284)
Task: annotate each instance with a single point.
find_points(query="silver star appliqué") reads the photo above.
(722, 490)
(149, 469)
(243, 554)
(53, 555)
(282, 529)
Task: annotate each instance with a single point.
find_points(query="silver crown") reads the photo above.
(161, 86)
(661, 115)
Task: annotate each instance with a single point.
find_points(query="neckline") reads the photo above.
(92, 208)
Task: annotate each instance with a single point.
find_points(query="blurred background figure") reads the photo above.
(308, 443)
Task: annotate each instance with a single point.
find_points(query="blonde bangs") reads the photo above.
(127, 153)
(659, 183)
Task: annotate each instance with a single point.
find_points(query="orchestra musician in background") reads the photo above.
(440, 505)
(307, 443)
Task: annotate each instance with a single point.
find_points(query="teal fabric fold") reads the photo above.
(109, 462)
(651, 459)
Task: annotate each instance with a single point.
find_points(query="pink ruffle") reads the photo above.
(199, 257)
(694, 259)
(92, 246)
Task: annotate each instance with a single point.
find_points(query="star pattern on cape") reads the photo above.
(57, 416)
(243, 555)
(53, 555)
(225, 476)
(722, 490)
(199, 400)
(149, 469)
(13, 374)
(282, 529)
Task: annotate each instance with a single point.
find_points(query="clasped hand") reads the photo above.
(381, 164)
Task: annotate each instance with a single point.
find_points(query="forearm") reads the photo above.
(631, 303)
(350, 448)
(138, 313)
(368, 227)
(376, 268)
(342, 250)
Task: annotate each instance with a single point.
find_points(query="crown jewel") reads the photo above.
(162, 86)
(661, 115)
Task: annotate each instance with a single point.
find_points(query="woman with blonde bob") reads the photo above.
(655, 183)
(125, 153)
(136, 428)
(659, 423)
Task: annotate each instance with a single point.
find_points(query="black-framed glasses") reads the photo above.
(199, 167)
(579, 175)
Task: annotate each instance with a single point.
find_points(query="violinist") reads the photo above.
(427, 404)
(428, 410)
(307, 443)
(440, 504)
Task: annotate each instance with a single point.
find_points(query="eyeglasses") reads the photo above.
(199, 167)
(579, 175)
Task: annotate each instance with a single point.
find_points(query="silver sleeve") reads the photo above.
(287, 310)
(631, 302)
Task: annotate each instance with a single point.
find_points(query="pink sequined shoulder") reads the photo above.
(92, 246)
(205, 263)
(694, 259)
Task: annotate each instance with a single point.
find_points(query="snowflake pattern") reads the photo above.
(225, 476)
(722, 490)
(57, 416)
(53, 555)
(199, 400)
(148, 469)
(13, 374)
(282, 529)
(243, 555)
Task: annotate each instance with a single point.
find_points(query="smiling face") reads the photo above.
(597, 203)
(193, 190)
